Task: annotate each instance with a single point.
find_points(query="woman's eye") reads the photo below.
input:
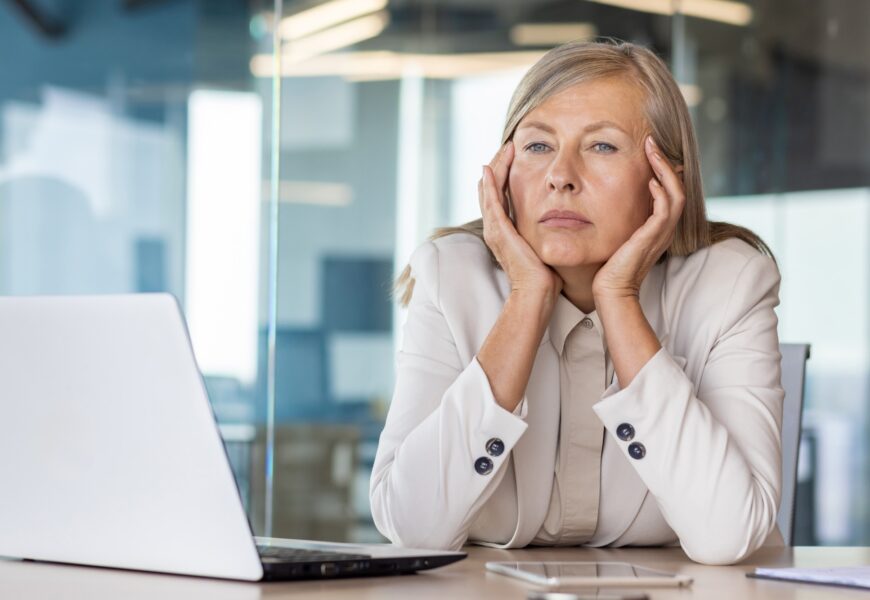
(604, 147)
(536, 147)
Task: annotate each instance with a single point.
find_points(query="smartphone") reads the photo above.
(588, 574)
(590, 595)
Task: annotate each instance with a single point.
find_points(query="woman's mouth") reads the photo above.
(564, 218)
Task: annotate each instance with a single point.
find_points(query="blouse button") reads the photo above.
(586, 323)
(636, 450)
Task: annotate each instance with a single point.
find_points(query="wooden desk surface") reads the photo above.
(466, 579)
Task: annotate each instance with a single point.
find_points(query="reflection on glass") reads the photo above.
(134, 166)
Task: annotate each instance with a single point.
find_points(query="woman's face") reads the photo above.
(581, 151)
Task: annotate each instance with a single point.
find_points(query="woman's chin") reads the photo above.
(564, 257)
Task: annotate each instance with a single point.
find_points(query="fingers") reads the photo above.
(501, 164)
(493, 182)
(665, 173)
(669, 196)
(663, 214)
(491, 199)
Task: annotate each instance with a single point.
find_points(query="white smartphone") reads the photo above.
(593, 594)
(588, 574)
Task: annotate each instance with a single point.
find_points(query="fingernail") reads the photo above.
(483, 171)
(649, 142)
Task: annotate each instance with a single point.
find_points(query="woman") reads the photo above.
(594, 362)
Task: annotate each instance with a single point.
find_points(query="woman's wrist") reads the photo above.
(509, 351)
(537, 302)
(631, 340)
(614, 295)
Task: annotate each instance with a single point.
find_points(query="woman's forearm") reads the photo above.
(631, 340)
(509, 351)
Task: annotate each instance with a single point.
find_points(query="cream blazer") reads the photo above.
(707, 408)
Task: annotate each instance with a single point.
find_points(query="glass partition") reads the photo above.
(133, 159)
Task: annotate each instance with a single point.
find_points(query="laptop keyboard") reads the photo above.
(305, 554)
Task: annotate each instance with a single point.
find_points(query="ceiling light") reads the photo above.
(551, 34)
(724, 11)
(326, 15)
(382, 64)
(336, 37)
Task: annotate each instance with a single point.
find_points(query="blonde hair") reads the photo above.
(667, 116)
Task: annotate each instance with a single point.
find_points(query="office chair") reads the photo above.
(794, 360)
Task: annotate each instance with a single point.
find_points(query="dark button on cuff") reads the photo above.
(625, 432)
(483, 465)
(636, 450)
(495, 447)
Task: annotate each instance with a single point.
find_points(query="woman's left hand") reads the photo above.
(622, 274)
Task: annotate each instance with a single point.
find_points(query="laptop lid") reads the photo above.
(109, 453)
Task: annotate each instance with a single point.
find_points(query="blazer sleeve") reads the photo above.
(432, 471)
(712, 457)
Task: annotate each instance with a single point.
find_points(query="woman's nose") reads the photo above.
(563, 176)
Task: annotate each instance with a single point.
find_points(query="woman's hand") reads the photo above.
(522, 265)
(508, 352)
(622, 274)
(616, 287)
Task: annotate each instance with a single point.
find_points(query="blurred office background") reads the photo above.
(276, 188)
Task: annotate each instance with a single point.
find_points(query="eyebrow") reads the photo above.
(591, 127)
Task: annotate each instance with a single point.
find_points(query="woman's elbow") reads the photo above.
(411, 534)
(409, 531)
(413, 538)
(726, 546)
(716, 553)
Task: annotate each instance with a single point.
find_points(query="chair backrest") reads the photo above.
(794, 359)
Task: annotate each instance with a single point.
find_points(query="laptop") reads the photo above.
(110, 455)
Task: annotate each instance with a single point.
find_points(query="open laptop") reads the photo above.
(110, 455)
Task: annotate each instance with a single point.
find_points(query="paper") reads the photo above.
(850, 576)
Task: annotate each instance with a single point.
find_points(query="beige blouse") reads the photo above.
(586, 506)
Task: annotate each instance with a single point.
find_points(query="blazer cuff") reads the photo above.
(496, 421)
(638, 412)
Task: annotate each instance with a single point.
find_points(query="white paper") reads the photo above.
(851, 576)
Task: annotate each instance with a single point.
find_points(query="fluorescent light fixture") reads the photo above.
(336, 37)
(326, 15)
(322, 193)
(551, 34)
(724, 11)
(223, 230)
(381, 64)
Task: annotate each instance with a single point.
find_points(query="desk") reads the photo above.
(466, 579)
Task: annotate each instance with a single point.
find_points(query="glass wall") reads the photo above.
(133, 159)
(782, 106)
(277, 189)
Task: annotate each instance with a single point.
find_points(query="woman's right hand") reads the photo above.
(508, 353)
(525, 270)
